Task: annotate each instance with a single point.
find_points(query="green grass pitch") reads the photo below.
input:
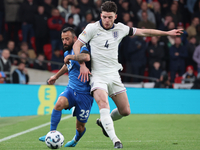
(137, 132)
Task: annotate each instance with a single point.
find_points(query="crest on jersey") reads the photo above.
(115, 34)
(83, 33)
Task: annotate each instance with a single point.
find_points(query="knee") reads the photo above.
(125, 112)
(59, 105)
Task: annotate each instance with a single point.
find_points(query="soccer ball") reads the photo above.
(54, 139)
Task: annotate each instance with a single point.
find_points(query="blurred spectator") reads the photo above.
(145, 23)
(162, 42)
(176, 15)
(196, 9)
(41, 29)
(64, 8)
(85, 7)
(191, 48)
(39, 63)
(126, 10)
(2, 77)
(12, 19)
(75, 12)
(150, 15)
(196, 84)
(157, 13)
(69, 23)
(88, 19)
(23, 57)
(13, 51)
(156, 53)
(171, 39)
(178, 53)
(155, 71)
(191, 30)
(126, 18)
(5, 64)
(56, 57)
(196, 57)
(163, 81)
(190, 5)
(198, 34)
(189, 76)
(55, 24)
(97, 4)
(20, 74)
(135, 6)
(135, 50)
(184, 35)
(2, 17)
(165, 6)
(2, 43)
(29, 52)
(48, 7)
(165, 22)
(73, 2)
(27, 11)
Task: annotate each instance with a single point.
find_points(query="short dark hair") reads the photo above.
(69, 29)
(20, 62)
(109, 6)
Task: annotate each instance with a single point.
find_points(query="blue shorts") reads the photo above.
(82, 103)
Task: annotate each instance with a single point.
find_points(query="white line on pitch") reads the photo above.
(31, 129)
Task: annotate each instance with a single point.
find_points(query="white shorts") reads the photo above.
(111, 83)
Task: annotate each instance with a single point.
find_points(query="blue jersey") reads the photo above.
(74, 71)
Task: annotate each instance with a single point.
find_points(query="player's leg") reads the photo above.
(61, 104)
(80, 130)
(82, 111)
(101, 97)
(123, 106)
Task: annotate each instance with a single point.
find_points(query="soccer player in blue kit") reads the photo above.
(77, 93)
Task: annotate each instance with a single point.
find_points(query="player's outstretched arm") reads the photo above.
(154, 32)
(82, 57)
(53, 78)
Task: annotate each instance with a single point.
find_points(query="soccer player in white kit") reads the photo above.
(104, 37)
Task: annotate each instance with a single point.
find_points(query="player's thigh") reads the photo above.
(83, 107)
(62, 103)
(101, 97)
(122, 103)
(99, 88)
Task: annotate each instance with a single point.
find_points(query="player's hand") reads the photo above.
(52, 80)
(84, 73)
(175, 32)
(66, 59)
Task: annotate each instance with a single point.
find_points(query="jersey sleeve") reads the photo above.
(134, 30)
(86, 34)
(127, 30)
(65, 54)
(84, 49)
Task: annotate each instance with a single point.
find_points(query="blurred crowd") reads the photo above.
(31, 29)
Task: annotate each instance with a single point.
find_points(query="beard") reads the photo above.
(67, 47)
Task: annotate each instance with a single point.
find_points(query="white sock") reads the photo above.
(115, 115)
(108, 125)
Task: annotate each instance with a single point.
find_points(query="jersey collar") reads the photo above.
(100, 21)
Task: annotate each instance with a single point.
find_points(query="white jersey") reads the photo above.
(104, 45)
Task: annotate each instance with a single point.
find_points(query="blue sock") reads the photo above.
(79, 135)
(55, 119)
